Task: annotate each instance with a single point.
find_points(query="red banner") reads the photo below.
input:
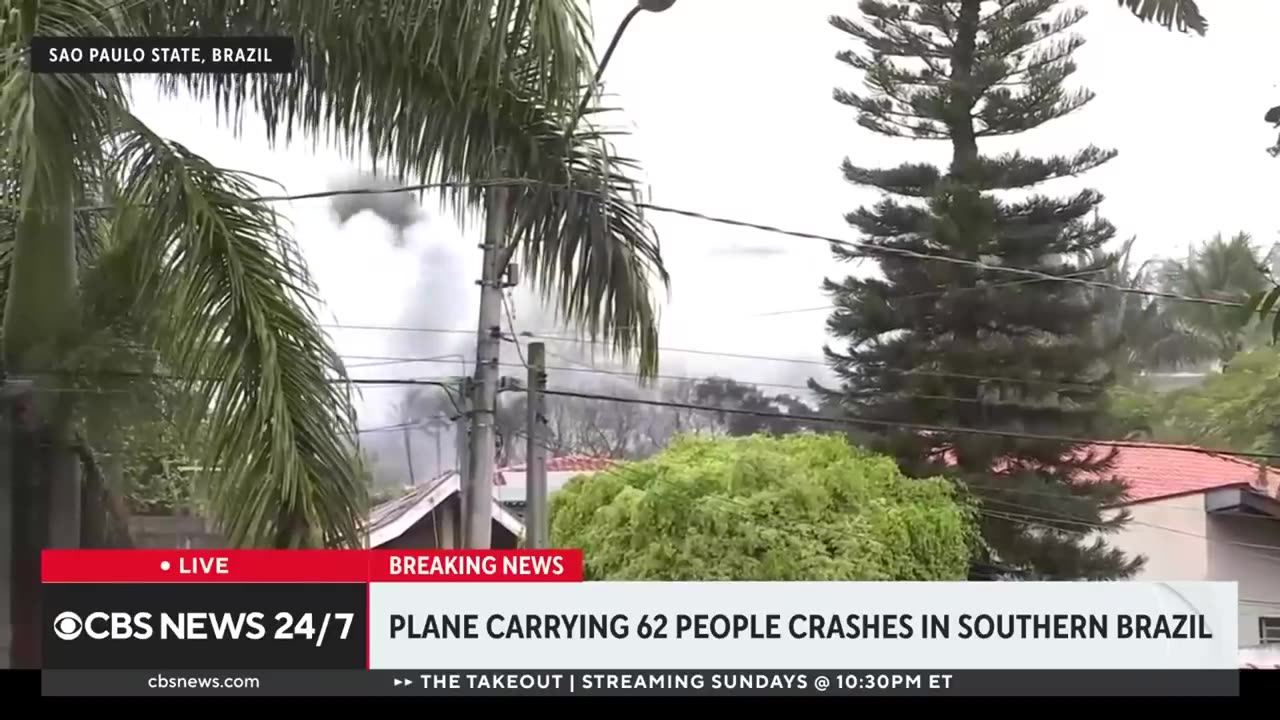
(310, 566)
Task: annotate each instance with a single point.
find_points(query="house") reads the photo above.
(427, 516)
(1203, 516)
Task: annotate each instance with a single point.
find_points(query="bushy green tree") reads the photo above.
(963, 344)
(798, 507)
(1237, 409)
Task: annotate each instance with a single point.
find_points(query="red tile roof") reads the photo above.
(562, 464)
(1160, 471)
(1154, 471)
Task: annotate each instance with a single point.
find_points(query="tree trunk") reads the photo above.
(964, 162)
(41, 313)
(964, 141)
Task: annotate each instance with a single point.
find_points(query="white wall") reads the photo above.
(1182, 542)
(1256, 568)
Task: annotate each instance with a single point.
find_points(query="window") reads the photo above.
(1269, 630)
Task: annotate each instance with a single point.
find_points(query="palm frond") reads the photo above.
(586, 243)
(1180, 15)
(239, 333)
(417, 86)
(487, 79)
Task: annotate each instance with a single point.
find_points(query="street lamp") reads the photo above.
(654, 6)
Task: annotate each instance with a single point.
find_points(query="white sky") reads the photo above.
(730, 103)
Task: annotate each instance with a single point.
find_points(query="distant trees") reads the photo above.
(1236, 409)
(1219, 269)
(965, 346)
(630, 428)
(1163, 333)
(800, 507)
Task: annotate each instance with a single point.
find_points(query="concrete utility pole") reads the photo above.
(408, 455)
(456, 510)
(477, 483)
(477, 486)
(536, 523)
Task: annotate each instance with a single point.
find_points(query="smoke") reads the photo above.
(401, 210)
(444, 297)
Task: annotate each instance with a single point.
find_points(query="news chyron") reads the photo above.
(204, 625)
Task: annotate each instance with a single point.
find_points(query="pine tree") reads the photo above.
(959, 345)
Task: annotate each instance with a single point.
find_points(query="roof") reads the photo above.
(573, 464)
(1155, 471)
(510, 482)
(389, 520)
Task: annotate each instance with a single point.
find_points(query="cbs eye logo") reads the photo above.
(68, 626)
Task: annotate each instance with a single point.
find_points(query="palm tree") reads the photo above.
(1227, 270)
(1142, 332)
(434, 90)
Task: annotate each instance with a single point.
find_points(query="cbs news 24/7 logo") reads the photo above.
(162, 55)
(309, 627)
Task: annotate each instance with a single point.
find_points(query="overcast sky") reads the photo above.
(730, 105)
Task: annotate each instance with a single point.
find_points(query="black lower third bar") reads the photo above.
(633, 683)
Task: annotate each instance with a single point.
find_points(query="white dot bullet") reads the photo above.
(164, 564)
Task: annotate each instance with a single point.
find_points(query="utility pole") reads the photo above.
(478, 482)
(408, 455)
(536, 523)
(456, 510)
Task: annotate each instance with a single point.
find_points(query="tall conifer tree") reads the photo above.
(966, 346)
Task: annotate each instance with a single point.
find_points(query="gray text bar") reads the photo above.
(631, 683)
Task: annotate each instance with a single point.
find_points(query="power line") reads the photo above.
(178, 378)
(861, 246)
(383, 361)
(823, 363)
(511, 325)
(933, 293)
(387, 428)
(393, 360)
(397, 328)
(1248, 548)
(850, 421)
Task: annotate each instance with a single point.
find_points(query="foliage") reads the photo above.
(1136, 410)
(1156, 331)
(1234, 409)
(1144, 332)
(429, 89)
(1263, 304)
(967, 346)
(1182, 15)
(1230, 271)
(1237, 409)
(800, 507)
(634, 430)
(731, 394)
(480, 106)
